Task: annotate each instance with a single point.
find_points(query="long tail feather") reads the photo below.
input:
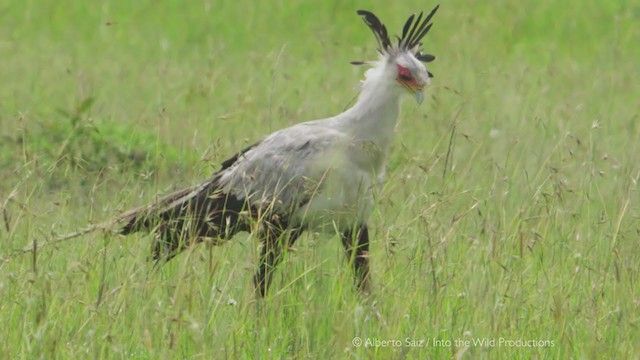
(140, 218)
(187, 216)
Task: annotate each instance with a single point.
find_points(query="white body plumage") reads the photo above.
(323, 172)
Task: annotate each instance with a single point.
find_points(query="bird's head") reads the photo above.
(402, 62)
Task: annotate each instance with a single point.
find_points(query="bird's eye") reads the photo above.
(404, 74)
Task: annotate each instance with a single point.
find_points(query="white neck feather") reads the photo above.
(374, 116)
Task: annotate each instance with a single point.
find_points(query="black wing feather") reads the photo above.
(232, 160)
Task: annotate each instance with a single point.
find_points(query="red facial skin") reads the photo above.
(405, 78)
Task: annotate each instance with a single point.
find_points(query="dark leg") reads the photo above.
(357, 248)
(166, 245)
(275, 241)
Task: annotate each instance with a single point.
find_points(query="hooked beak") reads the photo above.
(419, 95)
(416, 92)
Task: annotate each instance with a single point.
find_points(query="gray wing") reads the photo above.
(286, 169)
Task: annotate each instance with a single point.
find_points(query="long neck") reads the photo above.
(374, 115)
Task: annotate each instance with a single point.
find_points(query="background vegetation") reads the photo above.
(510, 210)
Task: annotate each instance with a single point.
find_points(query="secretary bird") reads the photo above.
(311, 176)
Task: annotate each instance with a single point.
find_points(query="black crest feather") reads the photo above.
(414, 29)
(378, 28)
(420, 28)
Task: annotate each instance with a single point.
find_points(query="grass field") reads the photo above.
(510, 212)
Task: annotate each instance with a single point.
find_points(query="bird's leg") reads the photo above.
(357, 250)
(164, 247)
(275, 241)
